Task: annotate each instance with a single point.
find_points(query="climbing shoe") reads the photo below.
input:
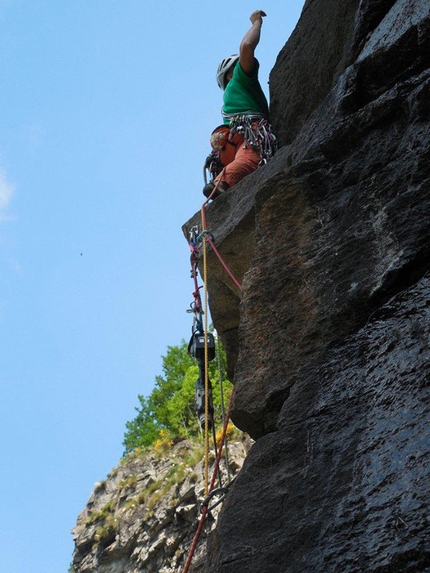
(207, 189)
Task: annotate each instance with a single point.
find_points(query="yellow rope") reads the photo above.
(206, 475)
(208, 488)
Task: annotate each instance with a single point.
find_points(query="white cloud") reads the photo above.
(6, 191)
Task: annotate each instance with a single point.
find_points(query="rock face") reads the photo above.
(144, 516)
(343, 485)
(328, 342)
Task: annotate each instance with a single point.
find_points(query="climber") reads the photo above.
(245, 140)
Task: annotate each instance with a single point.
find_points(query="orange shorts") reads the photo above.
(237, 159)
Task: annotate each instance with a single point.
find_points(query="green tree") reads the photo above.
(144, 429)
(169, 410)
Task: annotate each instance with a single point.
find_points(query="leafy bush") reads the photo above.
(168, 413)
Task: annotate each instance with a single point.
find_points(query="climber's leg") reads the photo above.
(246, 161)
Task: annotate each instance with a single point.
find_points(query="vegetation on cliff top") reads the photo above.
(168, 412)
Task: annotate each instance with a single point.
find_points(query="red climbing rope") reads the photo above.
(194, 262)
(211, 242)
(230, 274)
(205, 507)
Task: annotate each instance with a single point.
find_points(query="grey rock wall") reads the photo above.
(343, 485)
(328, 342)
(310, 63)
(144, 516)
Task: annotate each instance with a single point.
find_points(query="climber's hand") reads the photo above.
(257, 16)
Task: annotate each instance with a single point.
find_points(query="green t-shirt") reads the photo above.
(243, 94)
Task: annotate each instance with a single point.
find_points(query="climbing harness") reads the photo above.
(257, 133)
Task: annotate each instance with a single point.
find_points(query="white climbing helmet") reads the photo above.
(223, 68)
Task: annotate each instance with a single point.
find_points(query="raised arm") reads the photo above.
(250, 42)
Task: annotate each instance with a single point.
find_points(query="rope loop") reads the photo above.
(221, 491)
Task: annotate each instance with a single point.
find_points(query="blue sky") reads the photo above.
(106, 111)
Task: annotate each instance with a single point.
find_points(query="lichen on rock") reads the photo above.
(143, 517)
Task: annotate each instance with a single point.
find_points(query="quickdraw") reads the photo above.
(202, 348)
(212, 167)
(196, 305)
(257, 133)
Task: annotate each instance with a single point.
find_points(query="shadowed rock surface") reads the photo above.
(328, 343)
(343, 485)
